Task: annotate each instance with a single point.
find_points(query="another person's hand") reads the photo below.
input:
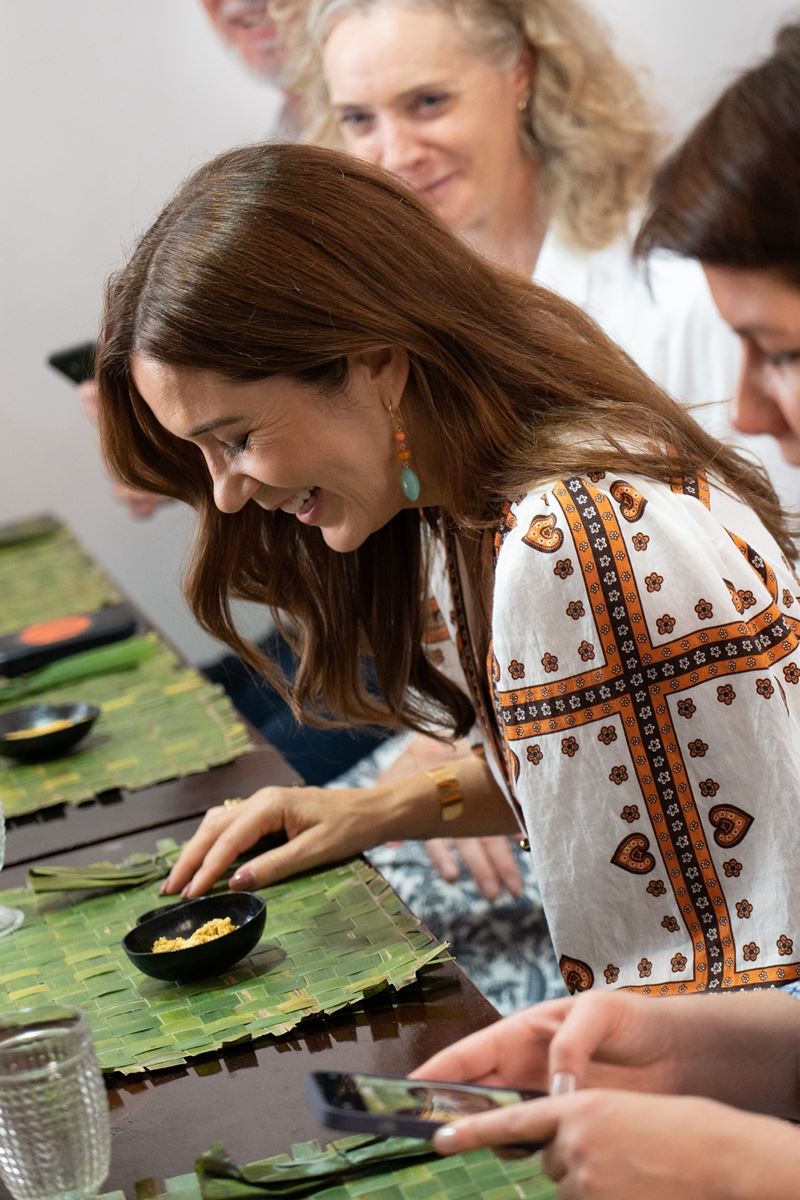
(616, 1041)
(322, 824)
(490, 861)
(609, 1145)
(139, 504)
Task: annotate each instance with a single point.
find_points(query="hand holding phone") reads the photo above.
(389, 1106)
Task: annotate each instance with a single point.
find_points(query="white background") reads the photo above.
(106, 105)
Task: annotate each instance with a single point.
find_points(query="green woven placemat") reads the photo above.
(158, 721)
(332, 937)
(47, 577)
(390, 1174)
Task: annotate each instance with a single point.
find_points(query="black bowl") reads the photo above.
(245, 909)
(35, 746)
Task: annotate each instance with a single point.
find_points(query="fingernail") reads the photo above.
(243, 881)
(491, 893)
(445, 1141)
(185, 891)
(162, 891)
(563, 1082)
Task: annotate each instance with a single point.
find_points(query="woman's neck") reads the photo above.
(513, 234)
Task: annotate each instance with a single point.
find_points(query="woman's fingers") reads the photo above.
(510, 1053)
(196, 848)
(443, 859)
(263, 813)
(533, 1122)
(592, 1024)
(489, 860)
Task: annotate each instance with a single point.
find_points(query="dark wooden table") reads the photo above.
(252, 1098)
(65, 827)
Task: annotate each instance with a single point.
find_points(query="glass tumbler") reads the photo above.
(55, 1137)
(10, 918)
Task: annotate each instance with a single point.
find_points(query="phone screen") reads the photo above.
(415, 1099)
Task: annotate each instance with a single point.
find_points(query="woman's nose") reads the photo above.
(755, 409)
(398, 150)
(232, 490)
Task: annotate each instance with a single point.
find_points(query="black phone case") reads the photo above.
(76, 362)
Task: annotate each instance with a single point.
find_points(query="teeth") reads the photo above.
(296, 502)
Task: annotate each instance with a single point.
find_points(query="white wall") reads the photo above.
(106, 105)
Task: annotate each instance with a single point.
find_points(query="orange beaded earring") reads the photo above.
(409, 480)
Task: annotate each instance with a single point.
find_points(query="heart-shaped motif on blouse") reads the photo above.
(631, 502)
(543, 535)
(731, 824)
(633, 854)
(577, 975)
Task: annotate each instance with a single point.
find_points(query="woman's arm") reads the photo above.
(325, 825)
(490, 860)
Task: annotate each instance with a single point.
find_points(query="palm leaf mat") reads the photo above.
(42, 577)
(357, 1168)
(332, 938)
(158, 721)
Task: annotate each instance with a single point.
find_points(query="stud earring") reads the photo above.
(522, 104)
(409, 480)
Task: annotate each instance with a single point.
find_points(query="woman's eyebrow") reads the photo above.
(209, 426)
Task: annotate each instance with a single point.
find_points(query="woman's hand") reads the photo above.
(139, 504)
(322, 825)
(609, 1145)
(742, 1049)
(615, 1040)
(490, 861)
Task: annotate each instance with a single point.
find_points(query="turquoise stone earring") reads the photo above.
(409, 480)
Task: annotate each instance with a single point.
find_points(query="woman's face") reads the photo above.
(412, 97)
(327, 461)
(764, 310)
(246, 25)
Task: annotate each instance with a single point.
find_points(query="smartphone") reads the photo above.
(76, 362)
(388, 1106)
(37, 645)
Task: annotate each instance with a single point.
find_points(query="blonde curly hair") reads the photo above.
(588, 123)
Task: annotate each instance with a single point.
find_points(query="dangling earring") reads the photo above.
(409, 480)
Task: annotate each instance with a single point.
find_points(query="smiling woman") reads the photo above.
(292, 328)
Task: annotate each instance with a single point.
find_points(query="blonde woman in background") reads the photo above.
(519, 125)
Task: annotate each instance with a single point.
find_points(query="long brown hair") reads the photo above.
(285, 259)
(730, 194)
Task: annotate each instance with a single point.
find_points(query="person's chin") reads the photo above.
(343, 541)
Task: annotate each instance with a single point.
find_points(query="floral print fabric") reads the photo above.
(645, 672)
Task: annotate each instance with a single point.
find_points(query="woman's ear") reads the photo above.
(385, 368)
(523, 75)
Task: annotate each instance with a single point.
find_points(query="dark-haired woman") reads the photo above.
(361, 409)
(730, 197)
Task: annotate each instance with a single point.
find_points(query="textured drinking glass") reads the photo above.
(10, 918)
(55, 1139)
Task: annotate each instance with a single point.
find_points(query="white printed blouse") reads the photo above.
(644, 675)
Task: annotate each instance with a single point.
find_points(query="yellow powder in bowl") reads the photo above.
(38, 730)
(217, 927)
